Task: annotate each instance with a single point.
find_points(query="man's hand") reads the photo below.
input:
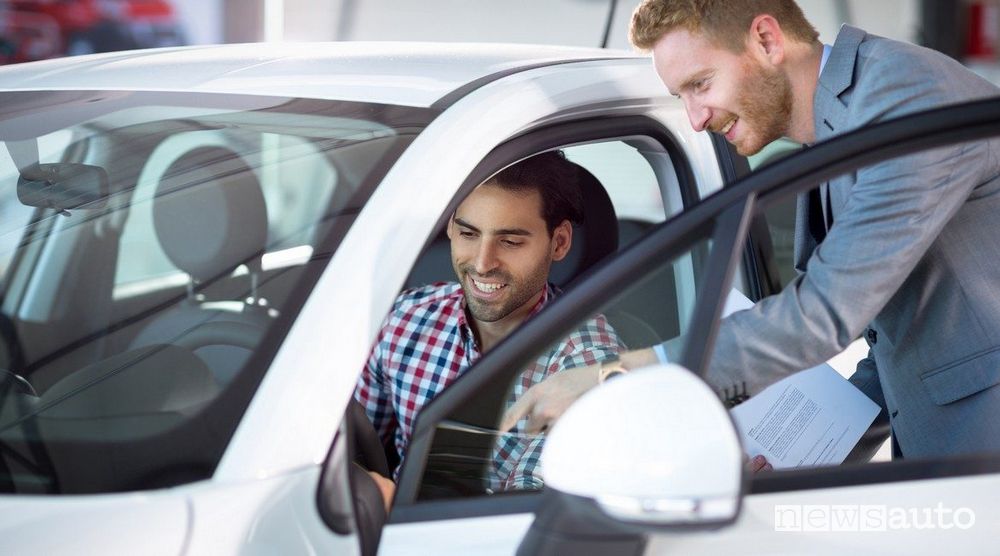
(759, 463)
(386, 487)
(546, 401)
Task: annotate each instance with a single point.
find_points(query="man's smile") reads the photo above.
(486, 289)
(726, 129)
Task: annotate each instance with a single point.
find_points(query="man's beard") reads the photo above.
(765, 109)
(519, 293)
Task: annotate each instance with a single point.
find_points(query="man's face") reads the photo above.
(738, 95)
(501, 251)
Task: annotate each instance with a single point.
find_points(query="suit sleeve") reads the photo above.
(894, 212)
(865, 378)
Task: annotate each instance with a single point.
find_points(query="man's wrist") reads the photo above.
(610, 368)
(638, 358)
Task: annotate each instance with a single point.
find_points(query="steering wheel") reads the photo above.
(15, 382)
(11, 354)
(17, 402)
(365, 445)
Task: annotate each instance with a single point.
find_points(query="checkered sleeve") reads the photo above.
(373, 391)
(592, 343)
(517, 454)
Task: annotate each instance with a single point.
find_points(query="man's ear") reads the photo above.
(562, 240)
(767, 40)
(449, 228)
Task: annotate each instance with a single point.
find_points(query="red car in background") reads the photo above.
(38, 29)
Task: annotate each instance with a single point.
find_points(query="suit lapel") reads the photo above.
(829, 111)
(830, 106)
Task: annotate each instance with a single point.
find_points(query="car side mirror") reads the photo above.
(654, 449)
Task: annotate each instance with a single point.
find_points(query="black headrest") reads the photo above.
(209, 213)
(593, 240)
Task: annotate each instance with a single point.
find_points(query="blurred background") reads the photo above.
(37, 29)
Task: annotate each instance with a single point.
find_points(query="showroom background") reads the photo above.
(38, 29)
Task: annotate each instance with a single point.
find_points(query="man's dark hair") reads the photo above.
(556, 179)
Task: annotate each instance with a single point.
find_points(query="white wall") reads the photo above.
(896, 19)
(201, 20)
(570, 22)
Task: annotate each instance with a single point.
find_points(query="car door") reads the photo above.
(648, 177)
(922, 504)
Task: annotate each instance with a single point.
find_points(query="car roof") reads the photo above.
(409, 74)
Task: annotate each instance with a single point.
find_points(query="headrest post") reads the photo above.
(254, 269)
(254, 280)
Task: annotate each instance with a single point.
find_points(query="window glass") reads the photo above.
(14, 215)
(132, 332)
(296, 179)
(899, 262)
(627, 177)
(780, 217)
(635, 175)
(470, 456)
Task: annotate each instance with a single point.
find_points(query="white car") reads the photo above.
(198, 246)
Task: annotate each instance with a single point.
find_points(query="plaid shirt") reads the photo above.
(426, 343)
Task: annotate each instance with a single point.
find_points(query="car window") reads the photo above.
(638, 176)
(174, 242)
(629, 180)
(14, 215)
(780, 218)
(644, 187)
(468, 455)
(893, 227)
(296, 179)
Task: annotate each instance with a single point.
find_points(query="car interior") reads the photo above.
(129, 322)
(169, 359)
(231, 230)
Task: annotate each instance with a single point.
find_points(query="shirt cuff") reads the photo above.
(661, 353)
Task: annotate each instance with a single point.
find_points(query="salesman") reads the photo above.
(903, 252)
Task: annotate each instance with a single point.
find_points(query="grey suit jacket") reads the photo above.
(912, 260)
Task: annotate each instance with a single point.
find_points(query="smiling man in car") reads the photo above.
(504, 237)
(902, 253)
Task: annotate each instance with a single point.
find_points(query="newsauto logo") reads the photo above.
(800, 518)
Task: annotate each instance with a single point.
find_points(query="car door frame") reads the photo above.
(733, 207)
(331, 493)
(525, 144)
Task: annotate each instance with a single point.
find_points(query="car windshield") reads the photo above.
(154, 251)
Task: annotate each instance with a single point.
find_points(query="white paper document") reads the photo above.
(813, 417)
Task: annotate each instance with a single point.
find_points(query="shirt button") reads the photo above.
(872, 336)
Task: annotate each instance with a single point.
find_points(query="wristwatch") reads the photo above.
(610, 368)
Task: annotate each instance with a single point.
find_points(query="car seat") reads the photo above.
(654, 299)
(210, 217)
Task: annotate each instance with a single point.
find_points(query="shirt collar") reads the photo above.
(547, 294)
(827, 49)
